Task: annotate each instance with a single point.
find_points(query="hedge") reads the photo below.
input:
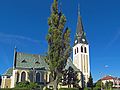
(15, 89)
(68, 89)
(46, 89)
(18, 89)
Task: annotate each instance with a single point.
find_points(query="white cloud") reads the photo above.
(114, 39)
(7, 37)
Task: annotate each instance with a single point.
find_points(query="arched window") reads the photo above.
(81, 48)
(17, 77)
(38, 77)
(85, 50)
(77, 50)
(23, 77)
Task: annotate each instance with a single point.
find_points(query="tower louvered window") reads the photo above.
(81, 48)
(77, 50)
(85, 50)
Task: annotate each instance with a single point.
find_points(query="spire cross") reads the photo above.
(78, 9)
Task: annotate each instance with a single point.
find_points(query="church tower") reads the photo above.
(81, 50)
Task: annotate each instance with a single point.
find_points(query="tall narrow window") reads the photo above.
(87, 62)
(23, 77)
(77, 50)
(81, 48)
(38, 77)
(85, 50)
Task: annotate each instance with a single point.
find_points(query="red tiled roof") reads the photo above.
(107, 78)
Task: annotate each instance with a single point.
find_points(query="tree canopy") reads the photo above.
(90, 82)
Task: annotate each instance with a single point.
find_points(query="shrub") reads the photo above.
(68, 89)
(14, 89)
(48, 89)
(86, 89)
(26, 85)
(6, 89)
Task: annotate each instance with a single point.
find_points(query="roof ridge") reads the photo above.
(30, 54)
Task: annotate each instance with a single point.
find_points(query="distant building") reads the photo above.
(114, 80)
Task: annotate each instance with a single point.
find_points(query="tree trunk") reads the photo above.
(56, 84)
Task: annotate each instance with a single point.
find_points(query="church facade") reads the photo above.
(33, 68)
(27, 67)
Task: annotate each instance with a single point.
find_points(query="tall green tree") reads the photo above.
(99, 85)
(108, 85)
(90, 82)
(70, 77)
(58, 43)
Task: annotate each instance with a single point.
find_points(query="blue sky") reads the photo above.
(23, 23)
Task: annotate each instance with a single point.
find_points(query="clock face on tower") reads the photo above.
(83, 40)
(75, 41)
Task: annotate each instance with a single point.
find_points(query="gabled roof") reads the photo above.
(8, 72)
(70, 64)
(107, 78)
(23, 60)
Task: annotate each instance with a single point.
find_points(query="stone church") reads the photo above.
(33, 68)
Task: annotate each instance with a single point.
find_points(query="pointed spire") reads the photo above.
(79, 9)
(79, 30)
(80, 36)
(15, 52)
(15, 48)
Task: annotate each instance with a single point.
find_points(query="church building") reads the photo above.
(27, 67)
(33, 68)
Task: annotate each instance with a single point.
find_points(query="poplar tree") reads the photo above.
(58, 43)
(90, 82)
